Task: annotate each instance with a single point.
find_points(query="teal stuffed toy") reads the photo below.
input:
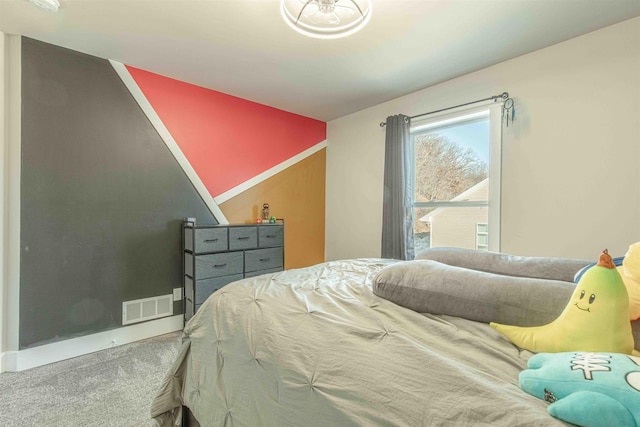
(587, 389)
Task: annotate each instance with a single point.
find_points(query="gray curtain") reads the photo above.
(397, 212)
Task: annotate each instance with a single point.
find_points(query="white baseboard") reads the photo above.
(49, 353)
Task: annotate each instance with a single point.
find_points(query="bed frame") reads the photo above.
(188, 420)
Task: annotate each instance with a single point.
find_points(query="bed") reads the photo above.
(316, 347)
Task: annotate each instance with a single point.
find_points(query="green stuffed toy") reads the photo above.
(587, 389)
(629, 268)
(630, 272)
(596, 319)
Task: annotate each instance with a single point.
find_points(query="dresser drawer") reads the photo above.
(206, 287)
(263, 259)
(270, 235)
(201, 240)
(214, 265)
(243, 238)
(216, 255)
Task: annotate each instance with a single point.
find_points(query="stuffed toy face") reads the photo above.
(595, 319)
(629, 268)
(586, 389)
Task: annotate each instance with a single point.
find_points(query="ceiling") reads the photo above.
(243, 47)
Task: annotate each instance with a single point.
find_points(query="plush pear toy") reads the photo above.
(596, 319)
(630, 272)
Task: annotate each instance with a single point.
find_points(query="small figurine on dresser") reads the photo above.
(265, 212)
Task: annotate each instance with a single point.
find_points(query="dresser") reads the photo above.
(216, 255)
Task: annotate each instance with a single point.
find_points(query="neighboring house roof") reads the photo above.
(472, 193)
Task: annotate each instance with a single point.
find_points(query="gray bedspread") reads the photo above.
(316, 347)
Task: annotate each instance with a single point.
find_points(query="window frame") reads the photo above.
(493, 111)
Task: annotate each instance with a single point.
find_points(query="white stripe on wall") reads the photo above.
(269, 173)
(164, 133)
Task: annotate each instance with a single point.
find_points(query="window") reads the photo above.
(456, 177)
(482, 237)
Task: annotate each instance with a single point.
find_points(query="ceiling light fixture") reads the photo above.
(48, 5)
(326, 19)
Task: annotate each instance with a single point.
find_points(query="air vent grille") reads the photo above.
(146, 309)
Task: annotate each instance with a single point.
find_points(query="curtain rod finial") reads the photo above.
(382, 124)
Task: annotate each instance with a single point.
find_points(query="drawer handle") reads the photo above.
(210, 240)
(219, 265)
(243, 238)
(269, 236)
(264, 259)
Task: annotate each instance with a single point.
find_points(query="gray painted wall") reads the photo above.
(102, 199)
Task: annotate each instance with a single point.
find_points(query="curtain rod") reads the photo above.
(504, 96)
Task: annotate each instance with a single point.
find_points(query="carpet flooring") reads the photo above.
(113, 387)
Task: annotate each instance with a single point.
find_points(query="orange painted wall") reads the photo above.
(296, 194)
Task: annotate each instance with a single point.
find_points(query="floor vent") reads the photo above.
(140, 310)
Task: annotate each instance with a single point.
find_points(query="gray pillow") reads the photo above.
(509, 265)
(432, 287)
(429, 286)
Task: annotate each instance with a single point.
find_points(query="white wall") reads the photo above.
(3, 168)
(9, 194)
(571, 170)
